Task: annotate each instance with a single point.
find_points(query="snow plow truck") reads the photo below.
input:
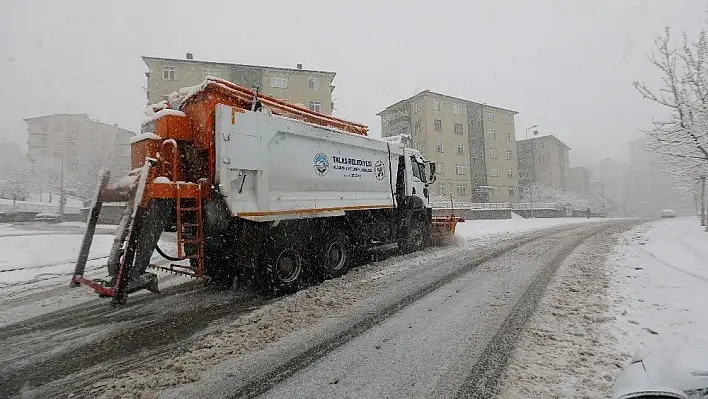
(258, 190)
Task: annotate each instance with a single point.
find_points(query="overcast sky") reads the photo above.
(564, 65)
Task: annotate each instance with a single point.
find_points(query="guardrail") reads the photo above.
(493, 205)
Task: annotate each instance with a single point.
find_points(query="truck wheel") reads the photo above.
(335, 255)
(415, 240)
(281, 269)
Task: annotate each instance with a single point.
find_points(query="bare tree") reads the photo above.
(84, 166)
(680, 139)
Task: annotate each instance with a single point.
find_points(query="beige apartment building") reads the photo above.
(473, 145)
(308, 88)
(84, 144)
(543, 160)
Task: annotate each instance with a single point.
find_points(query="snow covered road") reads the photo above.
(440, 345)
(50, 347)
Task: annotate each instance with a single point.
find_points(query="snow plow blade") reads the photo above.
(133, 238)
(443, 229)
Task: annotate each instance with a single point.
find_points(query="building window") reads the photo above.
(314, 84)
(213, 72)
(418, 147)
(493, 153)
(439, 146)
(510, 173)
(511, 191)
(460, 169)
(493, 135)
(508, 155)
(315, 106)
(507, 120)
(491, 116)
(459, 149)
(436, 105)
(461, 190)
(441, 189)
(57, 153)
(540, 158)
(440, 169)
(169, 73)
(415, 108)
(279, 81)
(495, 172)
(459, 129)
(437, 125)
(457, 109)
(508, 137)
(418, 128)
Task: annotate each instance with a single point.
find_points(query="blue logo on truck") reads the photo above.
(321, 164)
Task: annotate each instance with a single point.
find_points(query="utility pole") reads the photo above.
(62, 194)
(533, 163)
(703, 200)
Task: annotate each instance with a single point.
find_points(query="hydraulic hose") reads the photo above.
(164, 255)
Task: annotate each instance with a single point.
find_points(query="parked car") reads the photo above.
(668, 213)
(50, 217)
(665, 373)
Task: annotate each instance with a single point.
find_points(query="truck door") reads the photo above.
(418, 179)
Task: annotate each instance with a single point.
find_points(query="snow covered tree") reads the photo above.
(14, 171)
(681, 138)
(82, 169)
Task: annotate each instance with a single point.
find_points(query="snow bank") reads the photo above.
(26, 259)
(145, 136)
(660, 286)
(649, 295)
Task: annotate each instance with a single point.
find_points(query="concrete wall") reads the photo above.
(543, 213)
(476, 214)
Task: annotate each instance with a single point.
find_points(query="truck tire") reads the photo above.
(335, 255)
(415, 238)
(281, 269)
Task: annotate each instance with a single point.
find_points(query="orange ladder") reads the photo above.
(190, 216)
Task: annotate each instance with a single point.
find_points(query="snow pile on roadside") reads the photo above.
(565, 351)
(649, 294)
(25, 259)
(660, 287)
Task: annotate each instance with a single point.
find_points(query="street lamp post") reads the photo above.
(62, 194)
(533, 163)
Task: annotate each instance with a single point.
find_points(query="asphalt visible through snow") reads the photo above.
(430, 339)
